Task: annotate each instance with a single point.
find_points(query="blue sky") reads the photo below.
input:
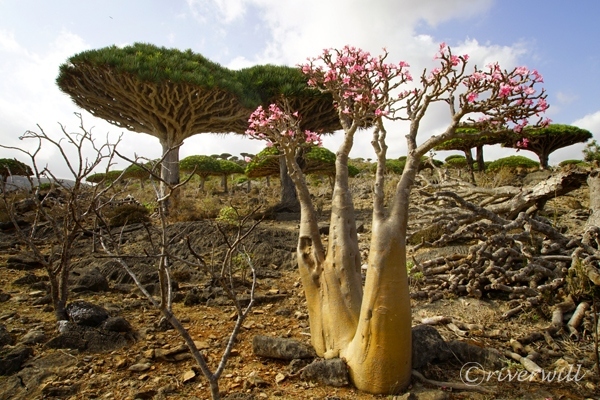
(559, 38)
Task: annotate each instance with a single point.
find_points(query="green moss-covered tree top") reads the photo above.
(543, 141)
(227, 167)
(201, 165)
(512, 162)
(314, 160)
(11, 166)
(472, 137)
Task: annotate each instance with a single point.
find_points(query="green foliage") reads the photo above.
(150, 63)
(455, 156)
(513, 162)
(319, 160)
(353, 171)
(11, 166)
(315, 160)
(227, 167)
(395, 166)
(564, 163)
(127, 214)
(202, 166)
(456, 161)
(592, 152)
(112, 176)
(96, 178)
(265, 163)
(135, 171)
(228, 215)
(474, 138)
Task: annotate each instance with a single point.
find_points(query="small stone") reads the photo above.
(279, 377)
(188, 375)
(120, 362)
(149, 354)
(201, 344)
(253, 380)
(140, 367)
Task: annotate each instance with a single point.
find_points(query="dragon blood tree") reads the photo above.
(166, 93)
(370, 327)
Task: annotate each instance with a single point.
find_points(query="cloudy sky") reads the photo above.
(557, 37)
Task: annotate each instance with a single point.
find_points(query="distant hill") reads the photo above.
(22, 182)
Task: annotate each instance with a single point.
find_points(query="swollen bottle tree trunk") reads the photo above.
(593, 182)
(370, 327)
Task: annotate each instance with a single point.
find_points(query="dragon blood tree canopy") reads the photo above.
(173, 94)
(543, 141)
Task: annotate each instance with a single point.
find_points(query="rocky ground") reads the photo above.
(153, 362)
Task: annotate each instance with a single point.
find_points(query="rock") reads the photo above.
(25, 205)
(280, 348)
(428, 346)
(489, 359)
(140, 367)
(84, 313)
(333, 372)
(63, 391)
(188, 375)
(536, 177)
(86, 338)
(23, 263)
(33, 337)
(29, 278)
(12, 360)
(6, 338)
(42, 301)
(253, 380)
(116, 324)
(88, 280)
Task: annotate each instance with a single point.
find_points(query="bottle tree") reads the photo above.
(543, 141)
(371, 328)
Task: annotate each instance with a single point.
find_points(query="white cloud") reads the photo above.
(591, 122)
(226, 10)
(566, 98)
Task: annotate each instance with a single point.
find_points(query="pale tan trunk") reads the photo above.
(332, 283)
(170, 174)
(379, 357)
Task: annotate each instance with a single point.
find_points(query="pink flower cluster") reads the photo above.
(359, 82)
(279, 127)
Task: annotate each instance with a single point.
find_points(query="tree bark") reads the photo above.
(169, 173)
(480, 160)
(593, 182)
(289, 198)
(469, 157)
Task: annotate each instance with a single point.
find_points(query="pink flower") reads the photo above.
(505, 90)
(379, 113)
(472, 96)
(247, 159)
(522, 71)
